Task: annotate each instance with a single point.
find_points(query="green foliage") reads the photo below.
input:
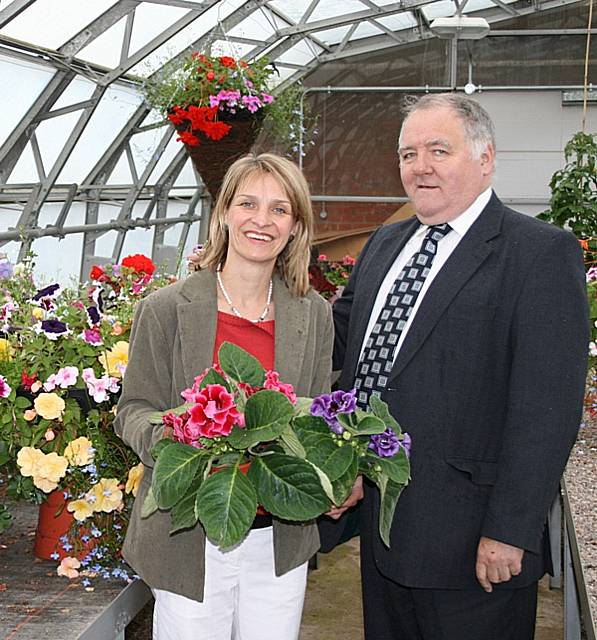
(573, 202)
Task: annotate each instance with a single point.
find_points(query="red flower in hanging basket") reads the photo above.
(139, 263)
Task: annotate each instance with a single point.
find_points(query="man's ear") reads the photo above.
(488, 160)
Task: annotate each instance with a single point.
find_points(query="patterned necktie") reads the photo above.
(377, 358)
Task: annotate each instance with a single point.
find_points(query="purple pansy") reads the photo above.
(53, 329)
(51, 291)
(329, 405)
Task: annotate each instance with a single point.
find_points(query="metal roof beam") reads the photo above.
(15, 8)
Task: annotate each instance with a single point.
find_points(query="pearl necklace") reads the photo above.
(234, 310)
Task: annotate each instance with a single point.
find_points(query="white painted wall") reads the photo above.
(532, 129)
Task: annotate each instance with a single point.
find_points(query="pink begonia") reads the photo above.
(266, 98)
(4, 388)
(66, 377)
(92, 336)
(231, 98)
(272, 381)
(99, 388)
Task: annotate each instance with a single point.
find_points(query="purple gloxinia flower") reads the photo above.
(385, 444)
(51, 291)
(328, 406)
(5, 269)
(53, 329)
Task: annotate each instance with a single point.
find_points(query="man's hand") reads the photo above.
(497, 562)
(355, 495)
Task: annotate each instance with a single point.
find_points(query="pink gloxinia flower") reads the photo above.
(214, 413)
(272, 381)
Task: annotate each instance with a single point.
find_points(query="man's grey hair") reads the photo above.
(477, 124)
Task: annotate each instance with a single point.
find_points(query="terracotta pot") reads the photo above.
(212, 158)
(54, 521)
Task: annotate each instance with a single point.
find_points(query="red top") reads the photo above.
(255, 337)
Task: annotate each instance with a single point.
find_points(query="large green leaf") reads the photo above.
(288, 487)
(267, 413)
(380, 409)
(240, 365)
(149, 505)
(226, 505)
(330, 458)
(213, 377)
(390, 492)
(292, 445)
(342, 486)
(397, 468)
(159, 445)
(183, 514)
(173, 473)
(367, 424)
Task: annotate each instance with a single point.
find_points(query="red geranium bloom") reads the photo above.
(96, 273)
(178, 116)
(216, 130)
(27, 380)
(188, 138)
(139, 263)
(214, 413)
(229, 62)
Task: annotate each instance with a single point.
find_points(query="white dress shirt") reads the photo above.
(446, 246)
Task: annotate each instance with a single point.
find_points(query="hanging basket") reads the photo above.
(212, 158)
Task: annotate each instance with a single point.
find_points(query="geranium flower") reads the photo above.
(214, 413)
(115, 360)
(96, 273)
(5, 388)
(105, 495)
(79, 452)
(139, 263)
(68, 567)
(27, 380)
(272, 381)
(328, 406)
(134, 478)
(49, 405)
(81, 509)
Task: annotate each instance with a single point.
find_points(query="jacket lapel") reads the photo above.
(292, 323)
(468, 256)
(197, 321)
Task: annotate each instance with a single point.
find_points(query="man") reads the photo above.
(479, 348)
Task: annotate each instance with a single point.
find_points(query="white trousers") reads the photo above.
(243, 600)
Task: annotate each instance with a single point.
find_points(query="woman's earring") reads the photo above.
(291, 237)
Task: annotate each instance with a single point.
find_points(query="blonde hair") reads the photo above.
(293, 262)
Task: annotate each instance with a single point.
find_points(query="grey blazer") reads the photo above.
(172, 341)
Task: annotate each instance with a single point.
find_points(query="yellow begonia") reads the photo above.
(27, 459)
(6, 350)
(48, 471)
(79, 452)
(134, 479)
(81, 509)
(116, 359)
(68, 567)
(49, 405)
(38, 313)
(105, 495)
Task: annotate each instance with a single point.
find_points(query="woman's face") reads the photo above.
(260, 221)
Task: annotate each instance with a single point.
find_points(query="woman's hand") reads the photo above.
(355, 495)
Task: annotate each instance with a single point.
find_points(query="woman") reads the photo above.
(252, 289)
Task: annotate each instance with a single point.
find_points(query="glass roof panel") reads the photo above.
(399, 21)
(110, 116)
(440, 9)
(24, 170)
(150, 21)
(230, 48)
(78, 90)
(50, 24)
(259, 25)
(332, 8)
(294, 10)
(105, 49)
(333, 36)
(185, 38)
(30, 79)
(301, 53)
(365, 30)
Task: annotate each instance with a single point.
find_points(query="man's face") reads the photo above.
(438, 173)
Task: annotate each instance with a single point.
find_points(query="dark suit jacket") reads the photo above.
(489, 383)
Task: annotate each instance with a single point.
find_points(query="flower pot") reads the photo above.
(212, 158)
(54, 521)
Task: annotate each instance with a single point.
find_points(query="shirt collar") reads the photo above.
(464, 221)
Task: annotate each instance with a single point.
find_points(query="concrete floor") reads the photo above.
(333, 601)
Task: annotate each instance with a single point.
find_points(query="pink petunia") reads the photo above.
(4, 388)
(99, 388)
(66, 377)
